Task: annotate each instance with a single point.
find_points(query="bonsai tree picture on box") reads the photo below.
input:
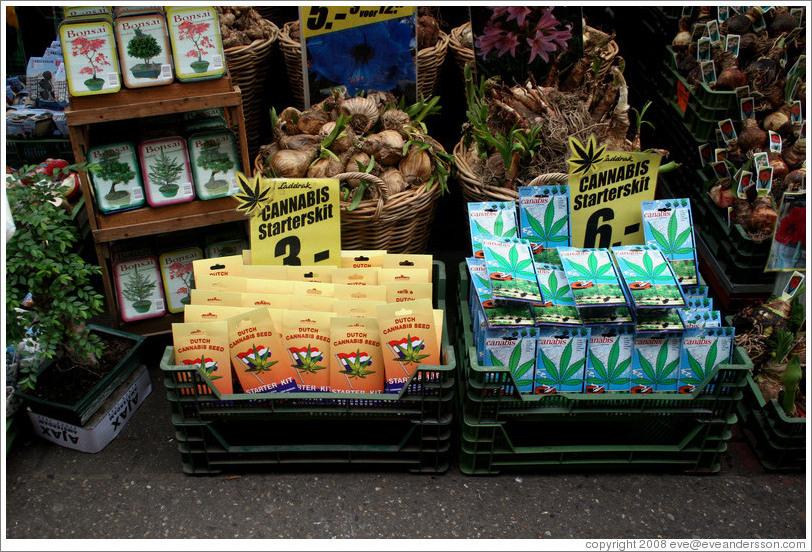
(70, 366)
(144, 46)
(138, 290)
(195, 32)
(117, 172)
(182, 271)
(165, 173)
(88, 48)
(216, 161)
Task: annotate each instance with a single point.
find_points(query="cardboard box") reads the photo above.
(105, 424)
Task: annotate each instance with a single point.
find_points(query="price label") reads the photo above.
(606, 196)
(317, 20)
(294, 221)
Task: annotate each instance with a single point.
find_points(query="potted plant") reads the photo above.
(88, 48)
(194, 32)
(70, 366)
(165, 173)
(773, 408)
(146, 47)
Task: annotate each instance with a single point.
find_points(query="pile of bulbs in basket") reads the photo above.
(365, 327)
(627, 319)
(368, 134)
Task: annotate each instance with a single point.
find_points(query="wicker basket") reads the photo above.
(474, 190)
(400, 223)
(429, 64)
(463, 55)
(248, 66)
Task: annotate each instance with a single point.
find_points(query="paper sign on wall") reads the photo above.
(606, 189)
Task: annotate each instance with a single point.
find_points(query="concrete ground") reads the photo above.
(135, 489)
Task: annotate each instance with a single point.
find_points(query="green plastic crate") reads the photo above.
(504, 429)
(705, 103)
(410, 429)
(598, 441)
(82, 410)
(33, 152)
(778, 441)
(367, 443)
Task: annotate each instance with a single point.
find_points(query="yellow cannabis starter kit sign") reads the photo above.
(293, 221)
(606, 188)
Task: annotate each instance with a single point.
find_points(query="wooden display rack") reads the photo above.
(86, 111)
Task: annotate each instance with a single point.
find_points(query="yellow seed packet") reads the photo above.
(356, 276)
(312, 303)
(209, 313)
(216, 298)
(220, 283)
(204, 346)
(230, 265)
(409, 340)
(362, 258)
(412, 275)
(439, 314)
(360, 293)
(257, 355)
(269, 300)
(259, 285)
(407, 291)
(356, 308)
(306, 339)
(411, 261)
(356, 359)
(265, 272)
(314, 289)
(310, 273)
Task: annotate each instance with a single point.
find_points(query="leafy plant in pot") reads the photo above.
(50, 301)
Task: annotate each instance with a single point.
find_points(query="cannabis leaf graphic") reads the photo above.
(251, 198)
(673, 243)
(564, 376)
(512, 265)
(584, 159)
(356, 364)
(658, 375)
(592, 271)
(548, 228)
(611, 373)
(699, 372)
(515, 368)
(648, 271)
(209, 366)
(559, 295)
(499, 228)
(408, 351)
(307, 359)
(257, 359)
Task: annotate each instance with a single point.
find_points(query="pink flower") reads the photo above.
(508, 44)
(498, 11)
(540, 46)
(85, 71)
(519, 13)
(490, 39)
(547, 22)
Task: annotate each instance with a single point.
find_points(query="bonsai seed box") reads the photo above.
(105, 424)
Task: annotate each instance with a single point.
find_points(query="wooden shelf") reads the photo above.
(147, 221)
(86, 111)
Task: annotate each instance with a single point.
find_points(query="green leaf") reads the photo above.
(696, 368)
(660, 239)
(599, 368)
(574, 368)
(648, 264)
(614, 353)
(620, 368)
(672, 229)
(495, 361)
(515, 355)
(684, 235)
(522, 370)
(536, 227)
(558, 225)
(592, 263)
(566, 355)
(498, 225)
(648, 369)
(513, 256)
(501, 261)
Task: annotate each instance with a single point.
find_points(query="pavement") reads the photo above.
(135, 489)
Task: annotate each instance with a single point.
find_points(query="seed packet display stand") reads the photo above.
(84, 112)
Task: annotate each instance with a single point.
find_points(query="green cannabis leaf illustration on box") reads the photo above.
(673, 244)
(565, 375)
(699, 372)
(518, 370)
(658, 374)
(548, 229)
(609, 374)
